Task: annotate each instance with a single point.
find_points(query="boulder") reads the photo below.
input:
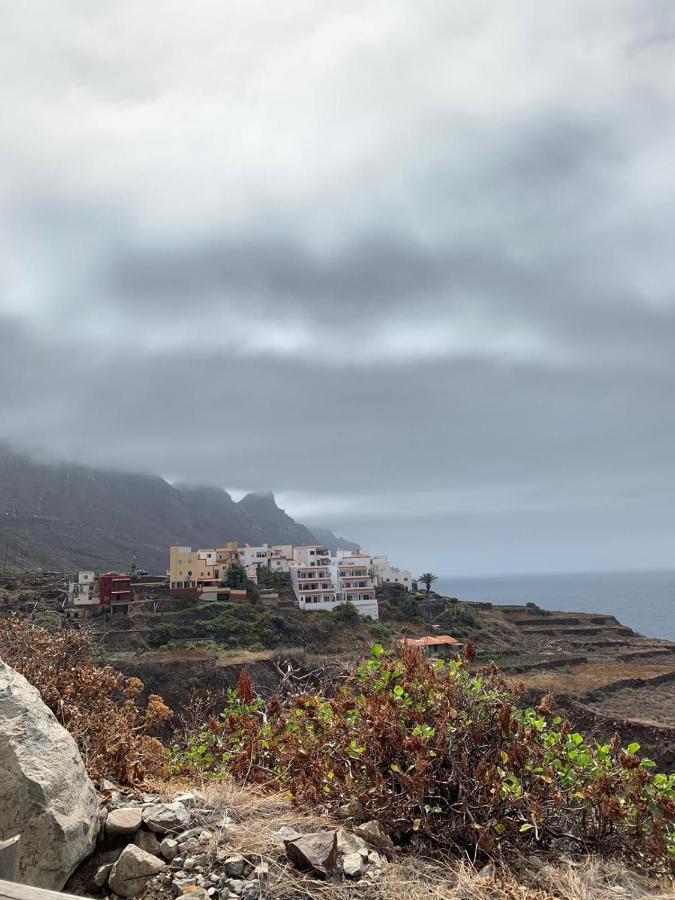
(316, 851)
(125, 820)
(166, 817)
(132, 871)
(45, 793)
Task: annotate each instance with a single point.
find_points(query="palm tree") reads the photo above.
(428, 579)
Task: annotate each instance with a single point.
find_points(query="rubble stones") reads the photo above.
(147, 841)
(316, 851)
(352, 865)
(375, 835)
(187, 835)
(181, 882)
(235, 866)
(102, 873)
(169, 849)
(166, 817)
(133, 870)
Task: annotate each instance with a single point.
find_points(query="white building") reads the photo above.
(354, 583)
(311, 578)
(83, 597)
(253, 556)
(280, 558)
(383, 573)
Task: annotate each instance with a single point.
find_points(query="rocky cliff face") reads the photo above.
(69, 517)
(45, 793)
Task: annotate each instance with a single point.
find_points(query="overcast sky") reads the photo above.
(408, 264)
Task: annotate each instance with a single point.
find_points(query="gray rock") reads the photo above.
(194, 862)
(45, 793)
(375, 835)
(169, 849)
(212, 892)
(286, 833)
(102, 874)
(125, 820)
(166, 817)
(133, 870)
(347, 842)
(251, 891)
(181, 881)
(178, 861)
(375, 859)
(262, 870)
(187, 835)
(235, 886)
(186, 847)
(147, 840)
(235, 866)
(487, 871)
(352, 865)
(316, 851)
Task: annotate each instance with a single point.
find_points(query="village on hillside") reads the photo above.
(319, 580)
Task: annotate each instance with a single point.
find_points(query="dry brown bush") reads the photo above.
(99, 706)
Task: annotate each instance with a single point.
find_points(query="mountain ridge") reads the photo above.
(69, 516)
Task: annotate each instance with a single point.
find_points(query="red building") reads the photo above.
(115, 593)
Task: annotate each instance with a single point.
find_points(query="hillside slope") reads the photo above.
(65, 516)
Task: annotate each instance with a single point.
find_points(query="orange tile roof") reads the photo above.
(432, 641)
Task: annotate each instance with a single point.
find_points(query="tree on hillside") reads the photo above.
(428, 578)
(236, 577)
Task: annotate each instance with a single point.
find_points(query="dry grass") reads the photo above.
(256, 817)
(591, 676)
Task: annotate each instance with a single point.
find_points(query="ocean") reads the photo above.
(645, 601)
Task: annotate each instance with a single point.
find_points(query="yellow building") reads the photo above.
(190, 568)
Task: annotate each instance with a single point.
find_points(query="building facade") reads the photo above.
(311, 578)
(354, 583)
(323, 582)
(384, 573)
(190, 569)
(83, 599)
(115, 593)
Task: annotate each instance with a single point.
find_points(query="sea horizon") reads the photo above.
(642, 599)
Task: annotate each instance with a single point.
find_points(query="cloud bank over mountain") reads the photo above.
(409, 265)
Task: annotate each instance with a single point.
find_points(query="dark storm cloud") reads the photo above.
(411, 266)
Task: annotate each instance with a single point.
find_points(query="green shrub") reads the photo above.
(441, 756)
(346, 614)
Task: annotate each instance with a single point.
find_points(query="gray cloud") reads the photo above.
(410, 265)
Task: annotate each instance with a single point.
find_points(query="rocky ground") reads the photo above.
(225, 842)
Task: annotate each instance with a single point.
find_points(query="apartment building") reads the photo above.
(83, 599)
(353, 581)
(115, 593)
(384, 573)
(312, 579)
(324, 582)
(190, 569)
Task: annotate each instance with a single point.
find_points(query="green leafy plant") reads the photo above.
(440, 755)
